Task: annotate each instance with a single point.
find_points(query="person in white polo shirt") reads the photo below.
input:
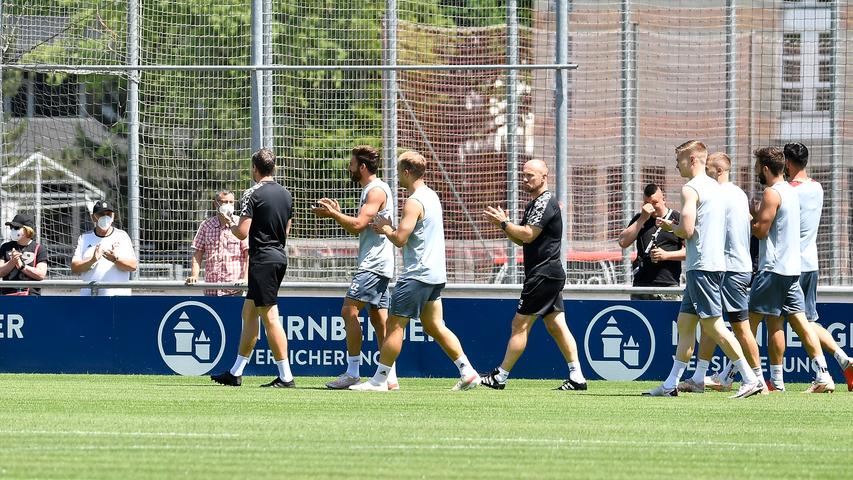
(104, 254)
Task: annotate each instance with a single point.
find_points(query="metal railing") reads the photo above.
(291, 289)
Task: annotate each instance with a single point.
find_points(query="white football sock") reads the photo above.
(776, 374)
(575, 373)
(239, 365)
(728, 373)
(392, 374)
(353, 363)
(502, 374)
(701, 370)
(381, 375)
(819, 365)
(284, 370)
(841, 358)
(747, 374)
(464, 366)
(675, 374)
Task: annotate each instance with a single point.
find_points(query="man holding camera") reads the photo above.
(659, 253)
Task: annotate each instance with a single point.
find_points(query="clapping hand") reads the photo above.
(496, 215)
(325, 206)
(379, 223)
(15, 256)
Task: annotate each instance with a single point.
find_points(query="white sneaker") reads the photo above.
(368, 386)
(394, 385)
(343, 382)
(827, 386)
(467, 383)
(714, 382)
(749, 389)
(690, 386)
(661, 391)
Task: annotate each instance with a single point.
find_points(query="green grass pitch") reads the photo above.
(100, 426)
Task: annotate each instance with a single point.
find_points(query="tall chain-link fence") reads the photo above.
(79, 123)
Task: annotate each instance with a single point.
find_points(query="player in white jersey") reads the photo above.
(417, 293)
(702, 227)
(810, 194)
(736, 279)
(369, 286)
(776, 291)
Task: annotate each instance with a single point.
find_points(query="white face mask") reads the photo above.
(105, 222)
(15, 234)
(226, 209)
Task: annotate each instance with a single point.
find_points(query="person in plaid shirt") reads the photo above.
(227, 256)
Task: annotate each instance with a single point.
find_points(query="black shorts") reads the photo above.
(541, 296)
(264, 282)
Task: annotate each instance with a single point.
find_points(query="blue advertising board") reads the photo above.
(199, 335)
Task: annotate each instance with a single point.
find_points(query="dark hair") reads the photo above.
(650, 190)
(797, 153)
(772, 158)
(368, 156)
(264, 161)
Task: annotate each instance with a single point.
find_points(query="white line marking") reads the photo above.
(119, 434)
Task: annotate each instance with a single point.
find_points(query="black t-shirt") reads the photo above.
(651, 274)
(270, 206)
(32, 255)
(542, 256)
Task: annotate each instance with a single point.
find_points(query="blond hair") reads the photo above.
(720, 159)
(29, 231)
(693, 147)
(413, 162)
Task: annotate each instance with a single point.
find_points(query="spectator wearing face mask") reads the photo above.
(226, 257)
(22, 259)
(104, 254)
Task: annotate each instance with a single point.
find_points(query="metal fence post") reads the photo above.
(266, 98)
(629, 125)
(389, 102)
(512, 129)
(731, 87)
(257, 76)
(837, 220)
(133, 125)
(561, 106)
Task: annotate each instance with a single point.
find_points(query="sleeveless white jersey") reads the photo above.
(423, 253)
(376, 252)
(780, 251)
(738, 229)
(810, 194)
(706, 248)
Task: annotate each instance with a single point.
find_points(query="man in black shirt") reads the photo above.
(540, 233)
(265, 218)
(659, 253)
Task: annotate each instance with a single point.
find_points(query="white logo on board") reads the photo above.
(620, 343)
(189, 334)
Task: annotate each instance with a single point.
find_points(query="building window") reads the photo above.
(792, 99)
(806, 69)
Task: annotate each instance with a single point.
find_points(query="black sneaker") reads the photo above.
(279, 383)
(571, 385)
(225, 378)
(491, 380)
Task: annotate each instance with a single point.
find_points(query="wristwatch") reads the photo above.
(503, 225)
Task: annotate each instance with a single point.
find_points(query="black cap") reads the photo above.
(22, 220)
(102, 206)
